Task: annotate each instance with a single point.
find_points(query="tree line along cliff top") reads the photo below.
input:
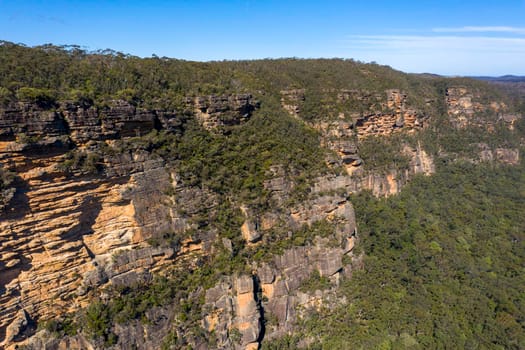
(50, 73)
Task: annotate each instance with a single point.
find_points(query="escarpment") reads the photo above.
(467, 107)
(72, 223)
(362, 115)
(270, 301)
(214, 210)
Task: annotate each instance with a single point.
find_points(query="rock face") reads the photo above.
(250, 228)
(465, 108)
(216, 112)
(69, 235)
(136, 334)
(339, 136)
(238, 308)
(510, 119)
(281, 278)
(291, 101)
(370, 114)
(380, 184)
(502, 155)
(420, 161)
(29, 119)
(459, 104)
(233, 313)
(398, 118)
(119, 118)
(364, 115)
(64, 234)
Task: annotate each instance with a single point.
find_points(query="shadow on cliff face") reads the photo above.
(257, 293)
(18, 207)
(6, 276)
(9, 274)
(89, 211)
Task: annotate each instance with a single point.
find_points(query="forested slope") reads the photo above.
(160, 203)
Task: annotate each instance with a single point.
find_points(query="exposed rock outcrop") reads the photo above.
(63, 234)
(370, 114)
(250, 228)
(216, 112)
(380, 184)
(233, 313)
(465, 108)
(459, 104)
(267, 304)
(398, 118)
(510, 119)
(243, 305)
(71, 234)
(119, 118)
(135, 334)
(291, 101)
(502, 155)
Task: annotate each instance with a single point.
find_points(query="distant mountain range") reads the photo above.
(504, 78)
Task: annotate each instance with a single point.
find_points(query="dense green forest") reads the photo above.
(48, 73)
(443, 267)
(442, 261)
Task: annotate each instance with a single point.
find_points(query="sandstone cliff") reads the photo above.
(82, 213)
(64, 234)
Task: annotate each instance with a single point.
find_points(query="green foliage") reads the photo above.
(97, 323)
(167, 239)
(43, 97)
(181, 291)
(6, 178)
(6, 96)
(442, 260)
(288, 342)
(382, 154)
(235, 336)
(169, 341)
(60, 327)
(7, 190)
(85, 162)
(129, 95)
(82, 98)
(315, 282)
(442, 266)
(282, 237)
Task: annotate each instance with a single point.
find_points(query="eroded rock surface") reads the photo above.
(65, 233)
(466, 107)
(215, 112)
(291, 101)
(238, 308)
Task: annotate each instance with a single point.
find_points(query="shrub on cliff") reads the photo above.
(6, 190)
(44, 98)
(6, 96)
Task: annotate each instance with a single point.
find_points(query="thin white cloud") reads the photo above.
(436, 43)
(480, 29)
(453, 54)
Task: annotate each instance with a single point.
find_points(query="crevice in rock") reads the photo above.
(257, 295)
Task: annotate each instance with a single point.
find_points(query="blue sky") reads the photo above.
(445, 37)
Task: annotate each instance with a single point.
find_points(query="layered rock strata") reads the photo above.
(466, 107)
(63, 234)
(217, 112)
(241, 311)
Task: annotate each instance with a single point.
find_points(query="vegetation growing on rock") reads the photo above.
(210, 204)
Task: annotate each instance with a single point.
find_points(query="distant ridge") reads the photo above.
(504, 78)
